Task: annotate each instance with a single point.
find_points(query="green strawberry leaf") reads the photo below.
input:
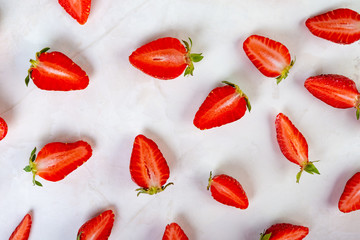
(310, 168)
(265, 236)
(37, 183)
(196, 57)
(27, 80)
(27, 168)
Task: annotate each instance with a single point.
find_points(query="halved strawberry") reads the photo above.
(350, 198)
(56, 160)
(78, 9)
(3, 128)
(165, 58)
(293, 145)
(148, 167)
(97, 228)
(174, 232)
(223, 105)
(271, 58)
(55, 71)
(227, 190)
(336, 90)
(340, 26)
(22, 231)
(285, 231)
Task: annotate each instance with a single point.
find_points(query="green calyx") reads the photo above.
(32, 167)
(78, 236)
(309, 168)
(264, 236)
(153, 190)
(285, 72)
(34, 64)
(209, 181)
(191, 58)
(242, 94)
(357, 106)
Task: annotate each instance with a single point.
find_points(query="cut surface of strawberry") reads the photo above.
(56, 160)
(78, 9)
(54, 71)
(174, 232)
(271, 58)
(293, 145)
(340, 26)
(223, 105)
(148, 167)
(350, 198)
(285, 231)
(3, 128)
(165, 58)
(22, 231)
(227, 190)
(97, 228)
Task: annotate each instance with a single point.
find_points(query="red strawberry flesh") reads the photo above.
(174, 232)
(285, 231)
(97, 228)
(22, 231)
(78, 9)
(3, 128)
(350, 198)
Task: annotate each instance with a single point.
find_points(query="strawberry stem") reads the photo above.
(242, 94)
(285, 72)
(153, 190)
(209, 181)
(32, 167)
(191, 58)
(309, 168)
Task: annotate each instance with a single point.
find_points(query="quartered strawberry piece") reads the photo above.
(22, 231)
(78, 9)
(55, 71)
(340, 26)
(336, 90)
(97, 228)
(3, 128)
(350, 198)
(271, 58)
(293, 145)
(148, 167)
(227, 190)
(56, 160)
(165, 58)
(285, 231)
(174, 232)
(223, 105)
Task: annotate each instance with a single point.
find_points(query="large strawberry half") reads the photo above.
(285, 231)
(223, 105)
(165, 58)
(55, 71)
(56, 160)
(271, 58)
(293, 145)
(174, 232)
(3, 128)
(340, 26)
(22, 231)
(148, 167)
(78, 9)
(97, 228)
(350, 198)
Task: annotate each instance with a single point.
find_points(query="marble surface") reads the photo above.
(122, 102)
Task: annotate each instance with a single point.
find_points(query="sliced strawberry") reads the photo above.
(3, 128)
(165, 58)
(285, 231)
(228, 191)
(55, 71)
(148, 167)
(56, 160)
(350, 198)
(78, 9)
(223, 105)
(22, 231)
(271, 58)
(97, 228)
(336, 90)
(174, 232)
(340, 26)
(293, 145)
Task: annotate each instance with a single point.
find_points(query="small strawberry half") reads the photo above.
(56, 160)
(56, 72)
(78, 9)
(223, 105)
(174, 232)
(350, 198)
(336, 90)
(97, 228)
(340, 26)
(165, 58)
(22, 231)
(285, 231)
(271, 58)
(3, 128)
(227, 190)
(148, 167)
(293, 145)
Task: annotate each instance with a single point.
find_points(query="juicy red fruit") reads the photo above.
(3, 128)
(97, 228)
(285, 231)
(174, 232)
(350, 198)
(78, 9)
(22, 231)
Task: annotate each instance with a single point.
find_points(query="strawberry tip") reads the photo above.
(152, 190)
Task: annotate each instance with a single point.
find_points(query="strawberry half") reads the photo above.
(148, 167)
(227, 190)
(55, 71)
(223, 105)
(350, 198)
(78, 9)
(97, 228)
(340, 26)
(165, 58)
(174, 232)
(271, 58)
(3, 128)
(336, 90)
(285, 231)
(293, 145)
(22, 231)
(56, 160)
